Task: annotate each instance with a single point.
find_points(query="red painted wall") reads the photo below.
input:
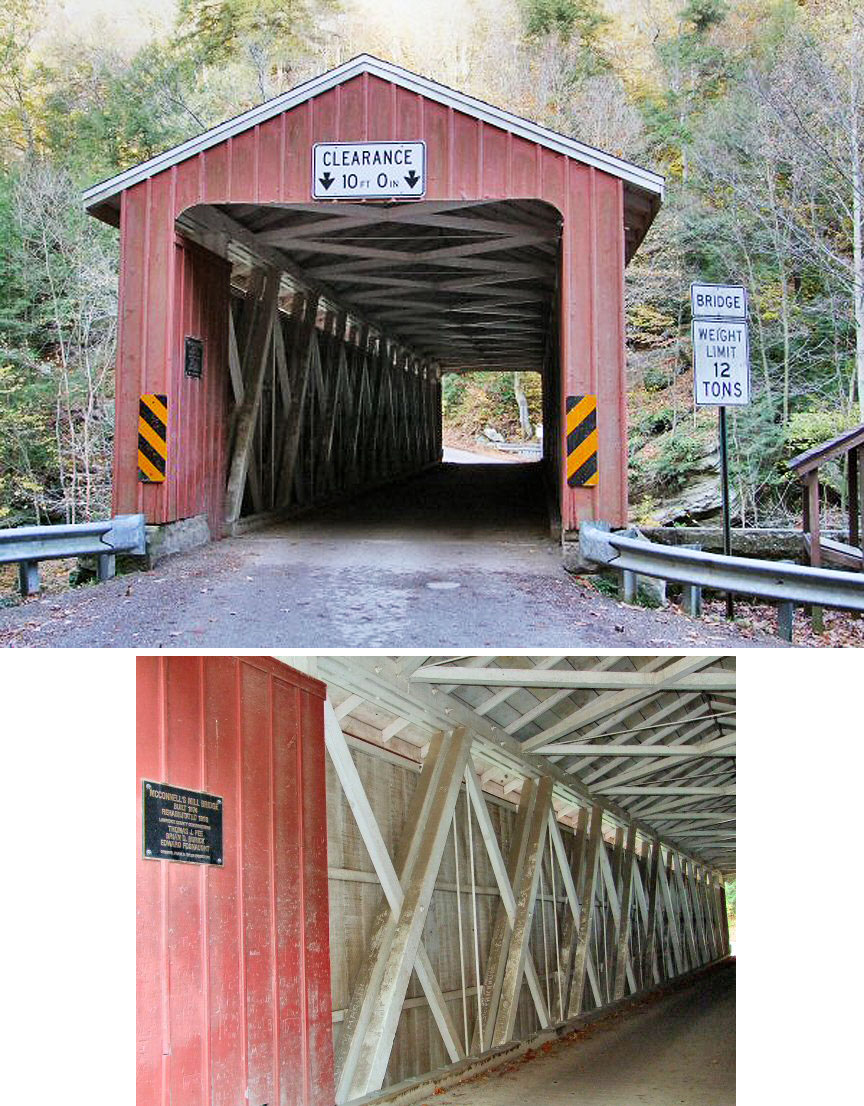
(233, 963)
(466, 159)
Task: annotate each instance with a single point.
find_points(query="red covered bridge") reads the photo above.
(278, 351)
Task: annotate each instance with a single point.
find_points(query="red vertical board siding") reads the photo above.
(436, 132)
(243, 168)
(269, 158)
(148, 879)
(216, 174)
(289, 974)
(524, 183)
(318, 1015)
(226, 984)
(352, 110)
(325, 128)
(609, 321)
(298, 151)
(466, 159)
(233, 962)
(380, 105)
(183, 907)
(466, 168)
(494, 162)
(554, 167)
(408, 113)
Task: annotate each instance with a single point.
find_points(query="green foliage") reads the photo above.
(807, 429)
(111, 112)
(731, 900)
(702, 15)
(28, 454)
(216, 29)
(473, 401)
(655, 379)
(650, 326)
(652, 423)
(648, 597)
(565, 18)
(606, 584)
(679, 455)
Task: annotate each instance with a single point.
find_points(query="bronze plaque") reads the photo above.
(181, 825)
(194, 359)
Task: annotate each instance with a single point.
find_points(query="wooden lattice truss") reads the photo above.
(595, 904)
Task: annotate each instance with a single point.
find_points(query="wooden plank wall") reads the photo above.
(233, 968)
(355, 897)
(368, 414)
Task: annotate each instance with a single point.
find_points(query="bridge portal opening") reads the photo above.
(362, 317)
(492, 417)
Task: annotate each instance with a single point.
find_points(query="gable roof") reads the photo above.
(634, 175)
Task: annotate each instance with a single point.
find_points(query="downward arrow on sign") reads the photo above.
(327, 180)
(412, 179)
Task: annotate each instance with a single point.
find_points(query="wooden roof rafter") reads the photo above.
(684, 797)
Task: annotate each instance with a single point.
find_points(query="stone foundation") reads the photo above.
(176, 537)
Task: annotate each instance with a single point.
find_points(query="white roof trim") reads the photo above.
(365, 63)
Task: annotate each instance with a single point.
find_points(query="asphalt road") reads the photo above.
(678, 1049)
(460, 557)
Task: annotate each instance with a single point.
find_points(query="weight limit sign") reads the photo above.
(721, 363)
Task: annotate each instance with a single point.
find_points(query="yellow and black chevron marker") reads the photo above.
(582, 441)
(152, 438)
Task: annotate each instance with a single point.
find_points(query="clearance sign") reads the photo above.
(368, 170)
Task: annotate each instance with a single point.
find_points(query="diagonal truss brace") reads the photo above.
(526, 898)
(355, 794)
(505, 888)
(573, 903)
(375, 1008)
(614, 905)
(622, 956)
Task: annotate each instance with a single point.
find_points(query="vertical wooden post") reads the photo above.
(649, 974)
(254, 366)
(592, 858)
(724, 917)
(497, 956)
(526, 898)
(613, 928)
(623, 950)
(568, 943)
(813, 525)
(811, 493)
(670, 904)
(299, 375)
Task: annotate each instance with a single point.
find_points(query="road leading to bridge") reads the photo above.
(459, 557)
(680, 1049)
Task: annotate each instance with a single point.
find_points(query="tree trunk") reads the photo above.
(857, 235)
(524, 417)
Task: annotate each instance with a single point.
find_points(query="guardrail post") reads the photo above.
(28, 577)
(105, 566)
(628, 585)
(785, 618)
(691, 599)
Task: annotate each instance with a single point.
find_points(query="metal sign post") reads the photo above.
(727, 521)
(721, 372)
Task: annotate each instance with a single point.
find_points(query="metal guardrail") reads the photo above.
(28, 545)
(786, 584)
(532, 449)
